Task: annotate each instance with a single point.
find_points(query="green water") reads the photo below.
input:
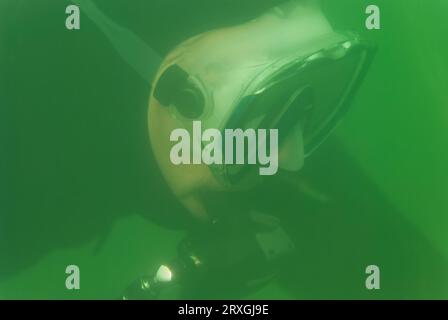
(78, 184)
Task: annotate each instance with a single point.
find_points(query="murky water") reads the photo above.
(79, 184)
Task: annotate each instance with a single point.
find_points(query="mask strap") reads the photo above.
(131, 48)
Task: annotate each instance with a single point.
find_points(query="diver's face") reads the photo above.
(225, 61)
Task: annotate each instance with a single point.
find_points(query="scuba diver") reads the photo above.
(277, 70)
(269, 64)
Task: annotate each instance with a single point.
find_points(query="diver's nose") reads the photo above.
(291, 130)
(292, 150)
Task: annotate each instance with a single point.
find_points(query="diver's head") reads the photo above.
(286, 70)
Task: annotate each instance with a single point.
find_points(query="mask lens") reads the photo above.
(313, 94)
(333, 82)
